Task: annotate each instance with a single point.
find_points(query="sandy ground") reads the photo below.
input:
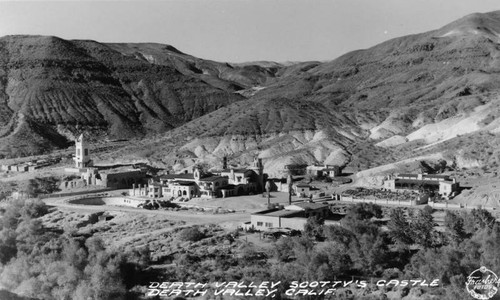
(24, 176)
(131, 226)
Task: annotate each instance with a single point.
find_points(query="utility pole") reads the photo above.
(268, 189)
(290, 185)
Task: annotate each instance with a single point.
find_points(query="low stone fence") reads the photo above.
(103, 199)
(378, 201)
(88, 192)
(412, 203)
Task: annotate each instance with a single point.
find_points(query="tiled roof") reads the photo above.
(308, 205)
(284, 213)
(436, 176)
(178, 176)
(408, 175)
(417, 182)
(228, 187)
(236, 170)
(180, 182)
(213, 178)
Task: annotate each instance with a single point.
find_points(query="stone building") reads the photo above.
(119, 177)
(324, 170)
(443, 185)
(292, 216)
(228, 182)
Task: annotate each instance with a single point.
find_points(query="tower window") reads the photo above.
(86, 152)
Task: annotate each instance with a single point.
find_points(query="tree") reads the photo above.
(454, 227)
(490, 247)
(478, 219)
(442, 264)
(334, 233)
(422, 228)
(41, 185)
(314, 227)
(399, 227)
(8, 248)
(283, 249)
(370, 253)
(34, 208)
(364, 211)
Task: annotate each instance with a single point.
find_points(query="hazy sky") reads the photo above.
(239, 30)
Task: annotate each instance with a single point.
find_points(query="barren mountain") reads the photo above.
(403, 98)
(51, 88)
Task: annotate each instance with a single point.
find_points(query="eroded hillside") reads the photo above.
(51, 88)
(400, 99)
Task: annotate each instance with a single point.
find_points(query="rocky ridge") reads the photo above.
(403, 98)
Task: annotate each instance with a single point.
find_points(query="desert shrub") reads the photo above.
(192, 234)
(46, 265)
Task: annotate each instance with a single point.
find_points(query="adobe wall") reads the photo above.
(264, 219)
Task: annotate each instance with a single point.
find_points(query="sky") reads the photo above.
(239, 30)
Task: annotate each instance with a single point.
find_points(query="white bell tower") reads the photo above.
(82, 158)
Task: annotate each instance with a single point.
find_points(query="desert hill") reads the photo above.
(400, 99)
(406, 97)
(51, 88)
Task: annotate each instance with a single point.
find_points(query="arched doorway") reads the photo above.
(179, 193)
(184, 193)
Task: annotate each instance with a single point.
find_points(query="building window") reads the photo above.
(268, 224)
(86, 152)
(259, 223)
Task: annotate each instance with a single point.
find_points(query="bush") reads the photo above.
(192, 234)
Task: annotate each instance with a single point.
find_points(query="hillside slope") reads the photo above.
(51, 88)
(396, 100)
(402, 98)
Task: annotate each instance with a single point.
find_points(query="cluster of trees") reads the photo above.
(471, 240)
(42, 185)
(43, 264)
(407, 247)
(357, 248)
(57, 265)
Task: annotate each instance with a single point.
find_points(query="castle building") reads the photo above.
(228, 182)
(110, 177)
